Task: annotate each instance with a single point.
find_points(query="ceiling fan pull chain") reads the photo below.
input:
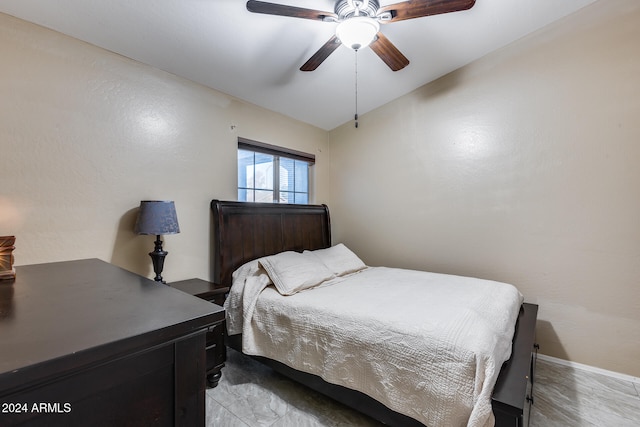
(356, 115)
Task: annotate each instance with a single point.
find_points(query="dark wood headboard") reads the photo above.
(244, 231)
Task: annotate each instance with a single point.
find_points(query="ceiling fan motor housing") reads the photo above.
(347, 8)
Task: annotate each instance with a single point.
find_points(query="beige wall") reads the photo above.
(521, 167)
(86, 134)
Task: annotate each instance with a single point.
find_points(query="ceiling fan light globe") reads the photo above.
(357, 32)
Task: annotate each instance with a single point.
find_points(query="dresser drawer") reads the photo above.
(216, 351)
(215, 346)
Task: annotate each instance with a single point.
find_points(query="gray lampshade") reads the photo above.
(157, 217)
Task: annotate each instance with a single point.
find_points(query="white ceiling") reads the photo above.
(257, 57)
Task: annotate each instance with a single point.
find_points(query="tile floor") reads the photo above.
(252, 395)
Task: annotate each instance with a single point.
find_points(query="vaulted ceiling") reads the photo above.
(256, 57)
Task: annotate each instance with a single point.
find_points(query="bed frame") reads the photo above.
(245, 231)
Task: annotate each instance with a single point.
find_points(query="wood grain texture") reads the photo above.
(419, 8)
(291, 11)
(245, 231)
(390, 54)
(323, 53)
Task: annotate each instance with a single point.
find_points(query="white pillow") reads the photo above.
(339, 259)
(292, 272)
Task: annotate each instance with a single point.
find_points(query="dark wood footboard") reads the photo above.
(513, 393)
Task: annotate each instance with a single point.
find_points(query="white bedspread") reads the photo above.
(427, 345)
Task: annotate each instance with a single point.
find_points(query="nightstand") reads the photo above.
(216, 350)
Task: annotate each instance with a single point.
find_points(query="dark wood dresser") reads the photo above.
(216, 349)
(87, 343)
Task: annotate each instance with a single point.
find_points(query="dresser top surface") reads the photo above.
(88, 309)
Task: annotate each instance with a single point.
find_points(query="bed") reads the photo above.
(276, 234)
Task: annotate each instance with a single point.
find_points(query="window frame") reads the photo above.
(277, 152)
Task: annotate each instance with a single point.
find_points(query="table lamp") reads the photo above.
(157, 217)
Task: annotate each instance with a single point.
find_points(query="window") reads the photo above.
(267, 173)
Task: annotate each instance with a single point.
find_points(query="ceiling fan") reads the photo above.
(359, 24)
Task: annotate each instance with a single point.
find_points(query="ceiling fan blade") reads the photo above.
(322, 54)
(418, 8)
(284, 10)
(389, 53)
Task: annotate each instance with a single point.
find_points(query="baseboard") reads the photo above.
(589, 368)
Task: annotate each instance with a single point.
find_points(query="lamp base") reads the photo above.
(157, 258)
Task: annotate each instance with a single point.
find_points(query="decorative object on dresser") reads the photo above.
(89, 343)
(216, 349)
(7, 272)
(157, 217)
